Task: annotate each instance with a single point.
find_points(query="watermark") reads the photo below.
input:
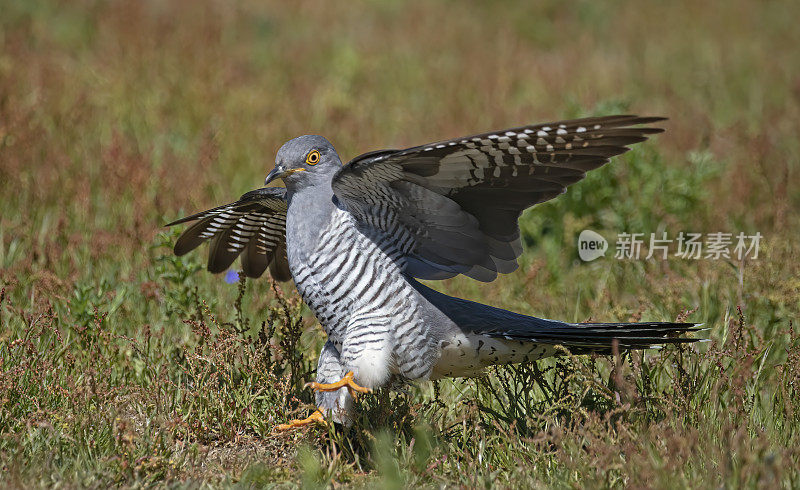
(591, 245)
(690, 246)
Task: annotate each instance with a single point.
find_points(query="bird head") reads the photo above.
(303, 160)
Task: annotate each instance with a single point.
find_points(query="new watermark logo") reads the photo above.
(591, 245)
(693, 246)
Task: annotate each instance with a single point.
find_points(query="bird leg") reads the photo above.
(318, 417)
(315, 417)
(347, 381)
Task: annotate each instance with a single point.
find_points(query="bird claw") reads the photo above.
(317, 417)
(314, 418)
(346, 381)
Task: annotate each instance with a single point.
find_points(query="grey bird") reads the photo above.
(356, 238)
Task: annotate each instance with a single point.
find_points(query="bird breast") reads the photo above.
(343, 272)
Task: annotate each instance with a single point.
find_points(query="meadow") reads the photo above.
(123, 365)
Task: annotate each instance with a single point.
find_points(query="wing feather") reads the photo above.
(453, 206)
(253, 228)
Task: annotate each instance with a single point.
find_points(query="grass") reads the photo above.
(123, 365)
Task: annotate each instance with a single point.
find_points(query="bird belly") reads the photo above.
(357, 291)
(465, 354)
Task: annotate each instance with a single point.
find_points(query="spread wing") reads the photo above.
(452, 207)
(253, 227)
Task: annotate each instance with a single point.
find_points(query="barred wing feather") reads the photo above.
(453, 206)
(254, 227)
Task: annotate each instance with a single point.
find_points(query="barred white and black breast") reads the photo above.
(354, 284)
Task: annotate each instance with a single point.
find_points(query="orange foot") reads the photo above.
(315, 417)
(346, 381)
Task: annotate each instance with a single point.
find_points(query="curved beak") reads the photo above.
(279, 173)
(275, 173)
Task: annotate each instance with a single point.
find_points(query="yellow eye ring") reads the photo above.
(313, 157)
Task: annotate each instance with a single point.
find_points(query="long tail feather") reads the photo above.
(583, 338)
(580, 338)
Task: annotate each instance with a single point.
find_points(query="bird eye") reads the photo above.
(313, 157)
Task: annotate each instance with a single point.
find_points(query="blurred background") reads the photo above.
(116, 117)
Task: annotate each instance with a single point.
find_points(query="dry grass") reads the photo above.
(122, 365)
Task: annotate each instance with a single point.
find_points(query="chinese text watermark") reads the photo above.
(692, 246)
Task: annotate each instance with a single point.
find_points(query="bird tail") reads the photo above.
(584, 338)
(579, 338)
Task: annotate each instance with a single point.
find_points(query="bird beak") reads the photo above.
(275, 173)
(280, 173)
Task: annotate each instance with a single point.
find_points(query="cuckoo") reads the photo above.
(357, 238)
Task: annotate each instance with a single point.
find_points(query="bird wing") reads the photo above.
(453, 206)
(253, 227)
